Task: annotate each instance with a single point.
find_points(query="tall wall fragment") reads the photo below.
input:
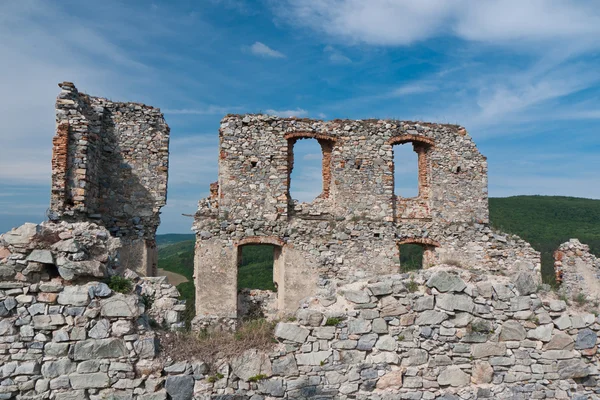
(354, 228)
(110, 165)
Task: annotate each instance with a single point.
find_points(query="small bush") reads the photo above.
(401, 338)
(580, 298)
(412, 286)
(216, 377)
(120, 285)
(257, 378)
(333, 321)
(147, 301)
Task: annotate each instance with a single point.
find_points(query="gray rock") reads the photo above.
(100, 289)
(542, 332)
(431, 317)
(512, 330)
(572, 369)
(526, 283)
(324, 332)
(99, 348)
(48, 322)
(146, 348)
(366, 342)
(74, 296)
(453, 376)
(451, 302)
(100, 330)
(481, 350)
(563, 322)
(424, 303)
(557, 305)
(380, 288)
(41, 256)
(358, 326)
(251, 363)
(314, 358)
(52, 369)
(285, 366)
(357, 296)
(291, 332)
(446, 282)
(379, 325)
(71, 270)
(120, 305)
(386, 343)
(309, 317)
(180, 387)
(96, 380)
(415, 357)
(22, 235)
(586, 339)
(272, 387)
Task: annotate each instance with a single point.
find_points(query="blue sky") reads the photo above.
(522, 76)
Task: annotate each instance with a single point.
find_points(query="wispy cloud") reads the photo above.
(262, 50)
(412, 88)
(403, 22)
(336, 56)
(288, 113)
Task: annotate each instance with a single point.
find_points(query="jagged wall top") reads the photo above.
(358, 164)
(110, 163)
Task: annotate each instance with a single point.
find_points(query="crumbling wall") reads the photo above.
(110, 164)
(353, 229)
(577, 271)
(64, 333)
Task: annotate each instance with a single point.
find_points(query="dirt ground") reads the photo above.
(174, 279)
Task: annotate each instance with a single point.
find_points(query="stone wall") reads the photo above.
(442, 333)
(577, 271)
(439, 333)
(353, 229)
(110, 165)
(64, 334)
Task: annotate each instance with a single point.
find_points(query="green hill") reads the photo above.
(548, 221)
(544, 221)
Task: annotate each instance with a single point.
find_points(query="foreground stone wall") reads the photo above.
(110, 165)
(64, 334)
(440, 334)
(354, 228)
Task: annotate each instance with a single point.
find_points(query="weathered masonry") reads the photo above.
(110, 165)
(354, 228)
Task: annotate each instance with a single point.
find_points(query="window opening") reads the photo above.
(309, 161)
(406, 171)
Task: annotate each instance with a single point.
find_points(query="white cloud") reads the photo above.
(288, 113)
(412, 88)
(336, 56)
(403, 22)
(262, 50)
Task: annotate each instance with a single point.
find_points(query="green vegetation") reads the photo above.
(257, 378)
(172, 238)
(334, 321)
(120, 285)
(412, 286)
(256, 267)
(411, 257)
(548, 221)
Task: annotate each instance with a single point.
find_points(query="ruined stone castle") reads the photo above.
(110, 165)
(353, 229)
(473, 323)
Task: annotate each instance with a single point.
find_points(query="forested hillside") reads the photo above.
(548, 221)
(544, 221)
